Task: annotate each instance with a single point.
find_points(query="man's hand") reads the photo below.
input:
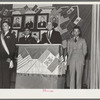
(8, 60)
(11, 65)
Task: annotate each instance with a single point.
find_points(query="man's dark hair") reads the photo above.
(17, 18)
(26, 28)
(6, 22)
(54, 24)
(78, 27)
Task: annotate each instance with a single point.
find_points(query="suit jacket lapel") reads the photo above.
(52, 34)
(5, 37)
(4, 44)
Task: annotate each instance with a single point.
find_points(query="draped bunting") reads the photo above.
(40, 66)
(6, 10)
(68, 16)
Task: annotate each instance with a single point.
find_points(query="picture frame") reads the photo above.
(42, 20)
(17, 22)
(36, 35)
(42, 32)
(29, 21)
(20, 34)
(15, 32)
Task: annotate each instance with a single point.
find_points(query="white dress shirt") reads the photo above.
(50, 33)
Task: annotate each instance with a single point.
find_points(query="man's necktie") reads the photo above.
(4, 36)
(75, 40)
(25, 37)
(49, 34)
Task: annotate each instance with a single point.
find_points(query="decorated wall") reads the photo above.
(66, 16)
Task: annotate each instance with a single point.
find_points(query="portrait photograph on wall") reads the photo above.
(36, 35)
(29, 21)
(15, 32)
(42, 21)
(17, 22)
(20, 34)
(42, 32)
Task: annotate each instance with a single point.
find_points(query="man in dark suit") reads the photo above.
(7, 54)
(52, 36)
(42, 23)
(27, 39)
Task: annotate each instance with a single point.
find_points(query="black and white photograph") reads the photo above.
(42, 21)
(17, 22)
(29, 21)
(63, 54)
(57, 48)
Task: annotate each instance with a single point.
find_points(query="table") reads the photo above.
(39, 66)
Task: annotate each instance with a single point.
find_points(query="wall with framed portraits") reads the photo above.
(30, 18)
(23, 15)
(36, 23)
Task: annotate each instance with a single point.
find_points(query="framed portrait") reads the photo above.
(36, 35)
(21, 34)
(42, 21)
(29, 21)
(8, 19)
(42, 32)
(15, 32)
(17, 22)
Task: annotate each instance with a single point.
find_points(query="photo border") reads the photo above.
(78, 94)
(36, 31)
